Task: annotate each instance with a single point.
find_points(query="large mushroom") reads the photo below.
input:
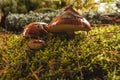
(35, 29)
(69, 21)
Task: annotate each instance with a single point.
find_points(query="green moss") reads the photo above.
(92, 55)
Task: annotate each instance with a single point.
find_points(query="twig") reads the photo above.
(34, 73)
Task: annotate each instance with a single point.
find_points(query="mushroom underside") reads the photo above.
(68, 28)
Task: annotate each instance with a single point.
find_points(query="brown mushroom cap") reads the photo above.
(35, 29)
(68, 21)
(35, 44)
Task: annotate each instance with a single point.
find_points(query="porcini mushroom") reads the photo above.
(69, 21)
(35, 29)
(36, 44)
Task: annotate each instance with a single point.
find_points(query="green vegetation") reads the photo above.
(118, 7)
(93, 55)
(24, 6)
(17, 22)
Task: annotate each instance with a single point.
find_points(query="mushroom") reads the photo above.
(35, 29)
(69, 21)
(35, 44)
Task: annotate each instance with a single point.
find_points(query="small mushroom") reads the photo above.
(69, 21)
(35, 44)
(35, 29)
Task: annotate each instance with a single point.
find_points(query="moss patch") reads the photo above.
(93, 55)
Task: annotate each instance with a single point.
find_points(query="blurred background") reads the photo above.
(26, 11)
(24, 6)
